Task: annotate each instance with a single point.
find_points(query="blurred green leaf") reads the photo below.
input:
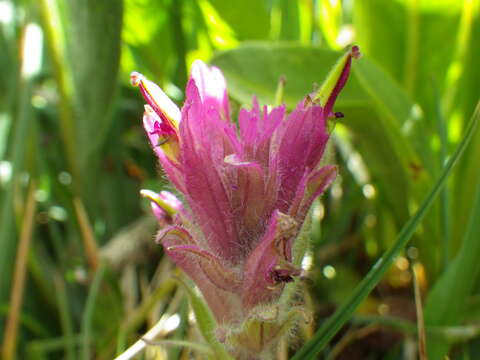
(467, 176)
(330, 14)
(387, 45)
(258, 24)
(8, 68)
(290, 26)
(410, 45)
(16, 159)
(448, 298)
(254, 68)
(93, 29)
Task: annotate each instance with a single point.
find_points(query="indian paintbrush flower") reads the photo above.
(248, 188)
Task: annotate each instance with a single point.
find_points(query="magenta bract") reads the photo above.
(248, 188)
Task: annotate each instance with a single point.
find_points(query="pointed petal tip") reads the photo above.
(197, 63)
(136, 78)
(355, 52)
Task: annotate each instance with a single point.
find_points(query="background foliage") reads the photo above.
(75, 235)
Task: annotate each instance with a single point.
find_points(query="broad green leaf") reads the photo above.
(93, 31)
(380, 30)
(333, 324)
(410, 44)
(235, 14)
(255, 68)
(140, 34)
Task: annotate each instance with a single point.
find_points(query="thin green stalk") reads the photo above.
(52, 26)
(87, 335)
(451, 334)
(179, 41)
(412, 46)
(447, 300)
(279, 94)
(444, 199)
(181, 333)
(7, 235)
(332, 325)
(139, 315)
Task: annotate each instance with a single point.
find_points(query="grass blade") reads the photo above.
(331, 326)
(16, 300)
(65, 316)
(22, 120)
(447, 301)
(443, 155)
(93, 293)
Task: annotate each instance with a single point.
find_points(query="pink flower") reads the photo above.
(248, 187)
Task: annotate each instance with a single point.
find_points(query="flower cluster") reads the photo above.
(248, 187)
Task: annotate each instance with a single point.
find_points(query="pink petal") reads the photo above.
(205, 141)
(180, 246)
(157, 99)
(299, 143)
(172, 169)
(268, 266)
(248, 198)
(221, 276)
(311, 186)
(256, 129)
(212, 87)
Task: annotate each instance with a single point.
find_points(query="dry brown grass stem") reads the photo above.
(88, 237)
(18, 285)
